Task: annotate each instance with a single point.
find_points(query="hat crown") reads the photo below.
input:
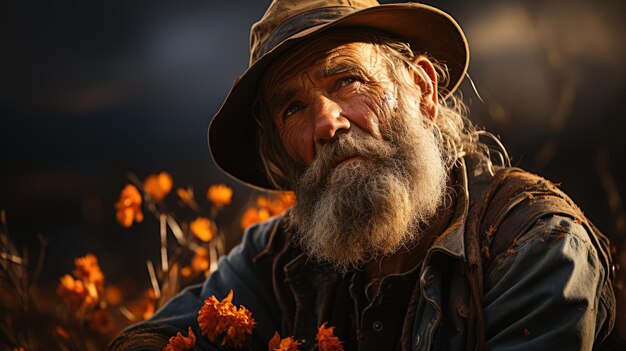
(284, 18)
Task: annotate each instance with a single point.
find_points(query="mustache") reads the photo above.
(347, 145)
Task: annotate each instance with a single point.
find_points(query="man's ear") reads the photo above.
(425, 77)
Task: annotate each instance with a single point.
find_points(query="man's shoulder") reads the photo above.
(525, 207)
(541, 252)
(517, 198)
(513, 200)
(260, 235)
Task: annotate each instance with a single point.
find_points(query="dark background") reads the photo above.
(91, 91)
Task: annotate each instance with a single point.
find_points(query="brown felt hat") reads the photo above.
(233, 133)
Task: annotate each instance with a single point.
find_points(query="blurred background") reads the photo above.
(92, 91)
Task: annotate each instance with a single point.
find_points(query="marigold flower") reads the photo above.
(209, 318)
(278, 204)
(252, 215)
(150, 295)
(239, 332)
(186, 271)
(180, 342)
(220, 195)
(76, 294)
(148, 303)
(93, 296)
(148, 311)
(129, 207)
(88, 270)
(202, 228)
(113, 295)
(222, 317)
(281, 203)
(326, 339)
(286, 344)
(263, 202)
(200, 261)
(158, 185)
(186, 196)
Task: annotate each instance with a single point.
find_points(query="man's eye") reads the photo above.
(293, 108)
(348, 80)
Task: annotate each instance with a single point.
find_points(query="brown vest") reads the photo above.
(510, 205)
(502, 208)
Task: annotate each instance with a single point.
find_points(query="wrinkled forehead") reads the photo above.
(327, 49)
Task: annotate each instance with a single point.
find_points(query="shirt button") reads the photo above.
(377, 326)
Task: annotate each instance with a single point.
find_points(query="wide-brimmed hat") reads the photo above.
(233, 132)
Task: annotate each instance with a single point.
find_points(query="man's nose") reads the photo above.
(329, 119)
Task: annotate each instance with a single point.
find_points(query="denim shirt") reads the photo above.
(542, 295)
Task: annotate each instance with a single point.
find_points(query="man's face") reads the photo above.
(340, 92)
(372, 168)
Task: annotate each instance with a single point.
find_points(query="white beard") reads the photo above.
(371, 205)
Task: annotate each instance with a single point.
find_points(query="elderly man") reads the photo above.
(404, 235)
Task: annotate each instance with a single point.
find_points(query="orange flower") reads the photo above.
(263, 202)
(200, 261)
(202, 228)
(286, 344)
(267, 208)
(88, 270)
(209, 317)
(220, 195)
(113, 295)
(222, 317)
(76, 294)
(185, 195)
(180, 342)
(158, 185)
(186, 271)
(148, 311)
(129, 207)
(278, 204)
(147, 304)
(239, 332)
(252, 215)
(281, 203)
(326, 339)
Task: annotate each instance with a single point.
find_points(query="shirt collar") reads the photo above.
(452, 240)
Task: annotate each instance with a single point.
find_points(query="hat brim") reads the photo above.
(233, 132)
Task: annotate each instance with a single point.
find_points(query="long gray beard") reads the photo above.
(372, 205)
